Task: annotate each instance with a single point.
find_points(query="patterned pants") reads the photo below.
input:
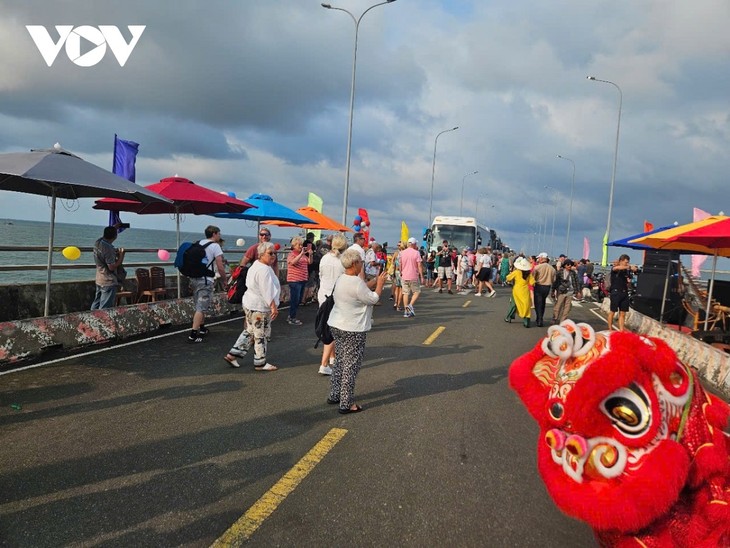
(349, 346)
(258, 327)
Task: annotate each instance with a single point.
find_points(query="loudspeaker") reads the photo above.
(650, 285)
(655, 260)
(721, 292)
(674, 312)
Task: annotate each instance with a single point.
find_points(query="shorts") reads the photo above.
(619, 301)
(411, 286)
(202, 293)
(484, 274)
(445, 272)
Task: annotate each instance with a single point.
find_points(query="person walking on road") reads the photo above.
(520, 302)
(544, 275)
(203, 287)
(484, 272)
(260, 307)
(411, 275)
(350, 320)
(567, 286)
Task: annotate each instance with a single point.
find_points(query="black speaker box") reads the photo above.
(655, 260)
(650, 284)
(674, 312)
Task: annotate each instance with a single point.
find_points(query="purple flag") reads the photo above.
(125, 156)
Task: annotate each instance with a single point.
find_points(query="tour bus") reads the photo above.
(460, 232)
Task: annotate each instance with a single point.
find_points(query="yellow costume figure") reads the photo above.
(520, 302)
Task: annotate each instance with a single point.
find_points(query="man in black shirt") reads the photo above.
(620, 276)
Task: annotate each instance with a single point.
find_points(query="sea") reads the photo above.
(14, 232)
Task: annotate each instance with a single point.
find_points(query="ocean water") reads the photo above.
(35, 233)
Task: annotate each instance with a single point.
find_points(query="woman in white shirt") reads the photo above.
(330, 268)
(260, 306)
(350, 320)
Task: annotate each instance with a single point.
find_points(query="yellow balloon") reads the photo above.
(71, 253)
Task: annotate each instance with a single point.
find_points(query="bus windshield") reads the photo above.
(457, 236)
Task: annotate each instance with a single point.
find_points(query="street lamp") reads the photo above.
(604, 259)
(433, 172)
(461, 207)
(352, 98)
(570, 208)
(555, 208)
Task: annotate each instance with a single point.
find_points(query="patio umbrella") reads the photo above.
(185, 196)
(710, 236)
(59, 174)
(266, 209)
(626, 242)
(320, 221)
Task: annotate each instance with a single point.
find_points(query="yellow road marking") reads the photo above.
(435, 334)
(467, 303)
(247, 524)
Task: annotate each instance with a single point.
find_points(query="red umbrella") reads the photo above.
(186, 196)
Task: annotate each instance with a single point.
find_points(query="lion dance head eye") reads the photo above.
(628, 409)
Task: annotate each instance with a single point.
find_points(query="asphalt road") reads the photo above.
(161, 443)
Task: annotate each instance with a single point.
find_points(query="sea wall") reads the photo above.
(26, 341)
(712, 364)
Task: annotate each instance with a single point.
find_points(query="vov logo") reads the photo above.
(99, 38)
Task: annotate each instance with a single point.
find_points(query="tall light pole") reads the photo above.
(570, 208)
(555, 209)
(604, 259)
(352, 98)
(461, 207)
(433, 173)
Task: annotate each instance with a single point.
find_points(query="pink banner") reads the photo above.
(697, 260)
(586, 247)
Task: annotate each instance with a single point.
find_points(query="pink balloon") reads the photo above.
(163, 254)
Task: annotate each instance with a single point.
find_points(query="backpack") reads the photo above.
(237, 285)
(190, 260)
(321, 327)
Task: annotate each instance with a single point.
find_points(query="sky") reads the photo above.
(254, 97)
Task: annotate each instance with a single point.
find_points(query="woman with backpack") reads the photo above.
(330, 269)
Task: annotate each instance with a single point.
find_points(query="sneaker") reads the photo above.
(451, 292)
(203, 330)
(493, 293)
(477, 294)
(325, 370)
(293, 321)
(406, 314)
(464, 292)
(195, 337)
(410, 310)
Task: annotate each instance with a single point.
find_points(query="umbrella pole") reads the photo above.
(666, 288)
(709, 291)
(177, 229)
(47, 305)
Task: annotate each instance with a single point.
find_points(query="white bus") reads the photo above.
(460, 232)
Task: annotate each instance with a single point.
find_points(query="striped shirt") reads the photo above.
(297, 271)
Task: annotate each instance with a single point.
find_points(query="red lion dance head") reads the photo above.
(629, 441)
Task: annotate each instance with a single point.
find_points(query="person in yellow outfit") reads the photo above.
(522, 279)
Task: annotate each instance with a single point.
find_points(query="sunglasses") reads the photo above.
(264, 234)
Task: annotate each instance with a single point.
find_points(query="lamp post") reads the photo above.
(433, 172)
(352, 98)
(570, 208)
(604, 259)
(461, 207)
(555, 209)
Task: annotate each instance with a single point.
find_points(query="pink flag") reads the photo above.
(697, 260)
(586, 248)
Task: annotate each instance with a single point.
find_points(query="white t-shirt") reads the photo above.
(330, 269)
(211, 252)
(354, 302)
(262, 287)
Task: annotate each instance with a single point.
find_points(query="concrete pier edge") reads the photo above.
(712, 364)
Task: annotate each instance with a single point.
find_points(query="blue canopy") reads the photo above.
(266, 209)
(624, 242)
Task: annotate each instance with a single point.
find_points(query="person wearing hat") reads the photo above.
(544, 275)
(411, 276)
(522, 279)
(567, 286)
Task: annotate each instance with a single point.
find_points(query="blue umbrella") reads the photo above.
(266, 209)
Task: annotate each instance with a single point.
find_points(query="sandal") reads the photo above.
(232, 361)
(357, 409)
(267, 367)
